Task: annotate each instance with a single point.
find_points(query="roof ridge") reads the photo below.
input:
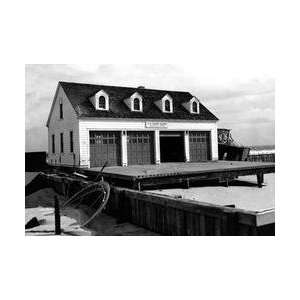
(125, 87)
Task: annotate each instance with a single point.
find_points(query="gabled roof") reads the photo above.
(79, 94)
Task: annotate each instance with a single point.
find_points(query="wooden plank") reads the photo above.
(153, 175)
(218, 225)
(202, 225)
(189, 223)
(265, 218)
(186, 168)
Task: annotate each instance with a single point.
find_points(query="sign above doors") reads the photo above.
(156, 124)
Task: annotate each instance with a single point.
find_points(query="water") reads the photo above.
(262, 147)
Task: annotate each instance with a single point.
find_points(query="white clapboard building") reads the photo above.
(89, 125)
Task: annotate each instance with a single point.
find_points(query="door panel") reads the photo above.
(105, 146)
(199, 146)
(140, 147)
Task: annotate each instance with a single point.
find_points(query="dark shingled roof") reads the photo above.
(79, 94)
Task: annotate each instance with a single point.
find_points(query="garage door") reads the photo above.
(199, 146)
(140, 147)
(105, 146)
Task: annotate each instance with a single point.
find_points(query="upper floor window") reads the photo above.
(102, 102)
(195, 107)
(167, 106)
(62, 143)
(61, 112)
(137, 104)
(134, 102)
(71, 142)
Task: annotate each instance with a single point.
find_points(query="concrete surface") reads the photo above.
(243, 193)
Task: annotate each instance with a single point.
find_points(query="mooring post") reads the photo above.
(187, 183)
(260, 179)
(226, 182)
(57, 216)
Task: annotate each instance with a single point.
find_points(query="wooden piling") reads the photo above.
(57, 216)
(260, 179)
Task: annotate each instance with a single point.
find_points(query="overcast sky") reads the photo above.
(244, 101)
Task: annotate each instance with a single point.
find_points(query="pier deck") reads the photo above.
(140, 176)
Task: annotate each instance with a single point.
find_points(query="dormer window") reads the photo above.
(195, 107)
(135, 102)
(165, 104)
(100, 100)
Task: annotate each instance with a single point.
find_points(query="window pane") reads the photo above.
(136, 104)
(61, 142)
(167, 105)
(71, 141)
(195, 107)
(61, 113)
(102, 102)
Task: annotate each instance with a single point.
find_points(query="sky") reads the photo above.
(243, 101)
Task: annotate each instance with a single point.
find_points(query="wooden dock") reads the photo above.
(142, 176)
(169, 215)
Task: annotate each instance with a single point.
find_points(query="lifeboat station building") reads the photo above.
(90, 125)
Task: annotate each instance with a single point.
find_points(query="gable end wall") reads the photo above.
(57, 126)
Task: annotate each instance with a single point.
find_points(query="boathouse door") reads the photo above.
(140, 147)
(199, 146)
(105, 147)
(172, 146)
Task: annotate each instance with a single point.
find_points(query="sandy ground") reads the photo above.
(40, 205)
(244, 193)
(46, 217)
